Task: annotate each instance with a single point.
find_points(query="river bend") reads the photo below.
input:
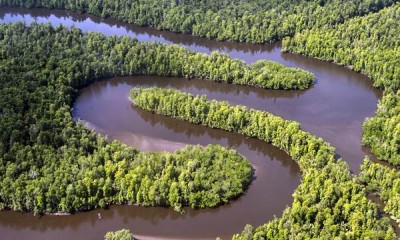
(333, 109)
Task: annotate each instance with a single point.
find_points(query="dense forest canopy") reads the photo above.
(42, 68)
(254, 21)
(382, 132)
(49, 162)
(328, 204)
(370, 44)
(341, 31)
(385, 182)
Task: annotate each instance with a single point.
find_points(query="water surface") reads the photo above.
(333, 109)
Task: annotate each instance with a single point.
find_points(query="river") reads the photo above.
(333, 109)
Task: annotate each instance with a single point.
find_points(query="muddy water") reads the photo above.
(333, 109)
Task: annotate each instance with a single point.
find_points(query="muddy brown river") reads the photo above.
(333, 109)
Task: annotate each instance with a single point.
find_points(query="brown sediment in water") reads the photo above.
(333, 109)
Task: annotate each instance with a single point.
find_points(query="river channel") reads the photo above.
(333, 109)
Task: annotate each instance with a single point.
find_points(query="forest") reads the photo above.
(42, 69)
(50, 163)
(382, 132)
(371, 45)
(385, 182)
(252, 21)
(329, 203)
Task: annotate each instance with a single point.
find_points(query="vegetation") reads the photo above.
(328, 203)
(254, 21)
(42, 148)
(371, 45)
(385, 182)
(123, 234)
(382, 132)
(283, 134)
(368, 44)
(50, 163)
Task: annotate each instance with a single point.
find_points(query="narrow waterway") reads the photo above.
(333, 109)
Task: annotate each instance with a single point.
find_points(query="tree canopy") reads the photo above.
(50, 163)
(123, 234)
(43, 67)
(329, 203)
(385, 182)
(371, 45)
(253, 21)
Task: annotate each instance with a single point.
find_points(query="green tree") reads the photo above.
(123, 234)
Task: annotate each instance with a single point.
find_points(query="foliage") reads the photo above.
(254, 21)
(385, 182)
(283, 134)
(382, 132)
(328, 203)
(49, 162)
(193, 176)
(123, 234)
(369, 44)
